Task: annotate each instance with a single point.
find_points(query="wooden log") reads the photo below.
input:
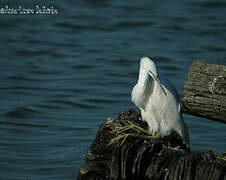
(142, 158)
(205, 91)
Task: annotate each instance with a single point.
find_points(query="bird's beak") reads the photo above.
(157, 80)
(153, 75)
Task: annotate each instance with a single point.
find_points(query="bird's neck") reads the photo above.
(143, 78)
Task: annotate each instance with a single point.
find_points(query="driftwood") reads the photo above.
(205, 91)
(140, 158)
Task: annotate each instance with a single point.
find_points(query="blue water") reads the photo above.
(61, 75)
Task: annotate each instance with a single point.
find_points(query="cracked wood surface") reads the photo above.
(205, 91)
(142, 158)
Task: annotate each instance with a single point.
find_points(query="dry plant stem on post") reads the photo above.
(134, 127)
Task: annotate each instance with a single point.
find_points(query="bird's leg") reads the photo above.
(135, 128)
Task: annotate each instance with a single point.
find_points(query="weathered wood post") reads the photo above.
(167, 157)
(205, 91)
(139, 158)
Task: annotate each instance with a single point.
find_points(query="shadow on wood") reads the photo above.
(138, 158)
(205, 91)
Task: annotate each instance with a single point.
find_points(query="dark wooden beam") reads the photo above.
(205, 91)
(145, 158)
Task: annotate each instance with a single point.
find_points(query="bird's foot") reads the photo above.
(136, 128)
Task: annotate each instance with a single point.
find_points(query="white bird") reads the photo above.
(159, 102)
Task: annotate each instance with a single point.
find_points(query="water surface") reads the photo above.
(61, 75)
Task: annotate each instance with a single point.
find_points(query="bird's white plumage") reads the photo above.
(158, 101)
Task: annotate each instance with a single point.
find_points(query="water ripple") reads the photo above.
(62, 75)
(22, 112)
(74, 104)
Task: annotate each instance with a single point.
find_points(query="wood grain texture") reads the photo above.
(205, 91)
(141, 158)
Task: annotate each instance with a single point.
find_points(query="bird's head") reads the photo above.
(148, 65)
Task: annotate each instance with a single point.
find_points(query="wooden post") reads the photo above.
(162, 158)
(146, 158)
(205, 91)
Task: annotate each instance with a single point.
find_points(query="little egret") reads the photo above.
(159, 102)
